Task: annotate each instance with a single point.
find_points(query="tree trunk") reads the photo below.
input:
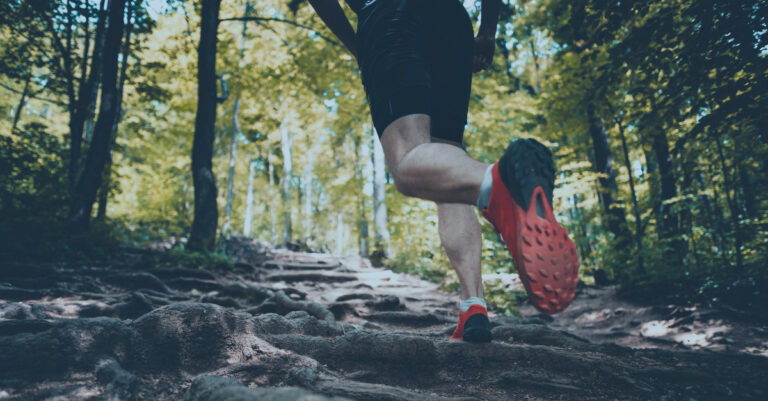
(82, 108)
(582, 240)
(669, 229)
(749, 204)
(249, 199)
(308, 178)
(339, 235)
(361, 155)
(737, 237)
(603, 164)
(90, 179)
(232, 156)
(381, 237)
(203, 236)
(714, 218)
(22, 102)
(235, 132)
(101, 212)
(363, 236)
(635, 205)
(650, 175)
(272, 214)
(667, 181)
(285, 180)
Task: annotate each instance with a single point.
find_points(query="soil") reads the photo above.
(284, 325)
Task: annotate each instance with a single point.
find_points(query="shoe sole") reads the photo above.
(547, 260)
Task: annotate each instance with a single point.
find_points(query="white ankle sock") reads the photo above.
(485, 189)
(464, 304)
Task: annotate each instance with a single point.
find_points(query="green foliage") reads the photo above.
(32, 189)
(427, 265)
(503, 300)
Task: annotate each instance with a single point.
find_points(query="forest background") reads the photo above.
(188, 121)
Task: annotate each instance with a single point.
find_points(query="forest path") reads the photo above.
(294, 326)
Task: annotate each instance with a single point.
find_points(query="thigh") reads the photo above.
(402, 135)
(452, 47)
(392, 55)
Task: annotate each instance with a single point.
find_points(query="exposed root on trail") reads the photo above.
(133, 330)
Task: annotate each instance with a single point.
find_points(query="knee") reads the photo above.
(403, 184)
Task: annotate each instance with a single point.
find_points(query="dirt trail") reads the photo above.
(294, 326)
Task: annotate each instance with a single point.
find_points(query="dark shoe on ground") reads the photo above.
(473, 326)
(520, 209)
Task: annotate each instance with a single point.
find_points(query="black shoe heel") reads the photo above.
(477, 329)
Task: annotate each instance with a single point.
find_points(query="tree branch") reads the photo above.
(285, 21)
(34, 95)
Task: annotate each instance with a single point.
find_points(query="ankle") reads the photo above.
(485, 189)
(464, 304)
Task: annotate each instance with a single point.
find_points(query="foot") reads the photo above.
(520, 209)
(473, 325)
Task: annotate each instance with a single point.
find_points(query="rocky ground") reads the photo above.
(284, 325)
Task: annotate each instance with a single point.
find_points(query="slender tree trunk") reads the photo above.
(667, 181)
(308, 178)
(635, 205)
(235, 131)
(715, 222)
(272, 214)
(203, 235)
(83, 107)
(363, 236)
(232, 160)
(361, 218)
(104, 189)
(615, 215)
(339, 235)
(536, 68)
(381, 236)
(22, 102)
(732, 205)
(75, 141)
(675, 251)
(249, 199)
(583, 242)
(749, 204)
(651, 175)
(285, 180)
(90, 180)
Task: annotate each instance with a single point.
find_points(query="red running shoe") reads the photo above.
(473, 325)
(520, 209)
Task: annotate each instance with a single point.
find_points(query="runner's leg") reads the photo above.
(433, 171)
(461, 239)
(450, 50)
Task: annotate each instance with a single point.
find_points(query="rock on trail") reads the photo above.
(284, 325)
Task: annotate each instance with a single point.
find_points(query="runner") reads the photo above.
(416, 58)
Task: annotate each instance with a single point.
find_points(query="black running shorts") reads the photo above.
(416, 58)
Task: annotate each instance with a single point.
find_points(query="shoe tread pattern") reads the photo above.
(546, 259)
(525, 165)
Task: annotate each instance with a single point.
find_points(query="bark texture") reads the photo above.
(83, 108)
(203, 235)
(603, 164)
(247, 221)
(381, 232)
(104, 189)
(286, 144)
(91, 177)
